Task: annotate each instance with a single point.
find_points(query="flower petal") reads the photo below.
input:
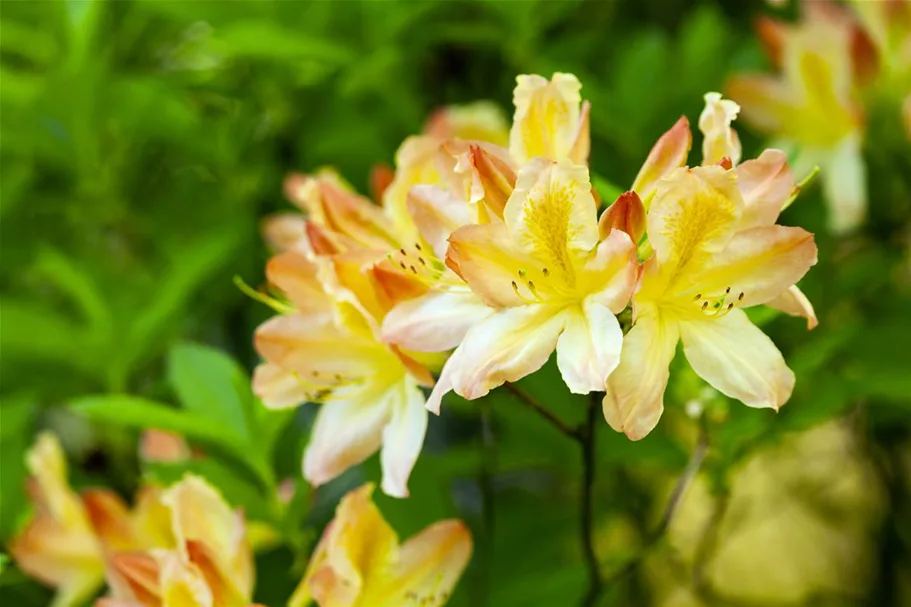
(437, 214)
(720, 141)
(758, 265)
(285, 231)
(551, 214)
(764, 101)
(612, 272)
(297, 277)
(844, 182)
(478, 121)
(434, 322)
(279, 388)
(546, 120)
(794, 303)
(403, 438)
(182, 585)
(429, 566)
(348, 429)
(766, 185)
(506, 346)
(482, 256)
(588, 350)
(626, 214)
(738, 360)
(692, 216)
(634, 398)
(668, 153)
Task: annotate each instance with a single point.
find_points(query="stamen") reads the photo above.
(728, 290)
(705, 305)
(402, 263)
(522, 273)
(740, 297)
(546, 272)
(402, 251)
(413, 270)
(698, 297)
(417, 246)
(531, 287)
(421, 259)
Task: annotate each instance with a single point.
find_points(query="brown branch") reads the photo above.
(586, 436)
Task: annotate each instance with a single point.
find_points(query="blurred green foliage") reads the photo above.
(143, 141)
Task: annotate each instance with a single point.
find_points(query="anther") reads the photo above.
(546, 272)
(698, 297)
(413, 270)
(531, 286)
(705, 305)
(402, 251)
(338, 377)
(421, 259)
(417, 246)
(730, 305)
(515, 286)
(522, 273)
(740, 297)
(728, 290)
(402, 263)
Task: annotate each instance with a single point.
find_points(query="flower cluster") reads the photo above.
(833, 64)
(497, 254)
(181, 547)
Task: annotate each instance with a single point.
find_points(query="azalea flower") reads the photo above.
(359, 561)
(711, 259)
(58, 546)
(205, 560)
(813, 105)
(326, 349)
(554, 283)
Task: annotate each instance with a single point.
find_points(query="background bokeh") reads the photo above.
(144, 140)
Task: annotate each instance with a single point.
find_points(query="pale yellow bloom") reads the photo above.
(550, 120)
(553, 282)
(710, 261)
(360, 563)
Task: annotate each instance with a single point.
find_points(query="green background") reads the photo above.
(144, 140)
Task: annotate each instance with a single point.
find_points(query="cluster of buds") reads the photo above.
(485, 249)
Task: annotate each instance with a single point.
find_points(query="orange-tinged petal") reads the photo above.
(496, 177)
(182, 585)
(162, 446)
(546, 120)
(284, 231)
(737, 359)
(634, 398)
(692, 216)
(200, 514)
(611, 274)
(393, 285)
(551, 216)
(224, 589)
(720, 140)
(766, 185)
(482, 256)
(381, 176)
(110, 518)
(437, 214)
(668, 153)
(772, 34)
(757, 265)
(297, 278)
(626, 214)
(429, 566)
(588, 350)
(135, 576)
(794, 303)
(434, 322)
(506, 346)
(403, 438)
(279, 388)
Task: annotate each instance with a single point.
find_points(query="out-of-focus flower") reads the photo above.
(327, 349)
(549, 121)
(710, 260)
(161, 446)
(206, 561)
(359, 561)
(814, 103)
(59, 546)
(478, 121)
(553, 282)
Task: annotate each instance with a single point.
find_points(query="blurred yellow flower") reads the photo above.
(359, 561)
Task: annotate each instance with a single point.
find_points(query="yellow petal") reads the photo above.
(610, 274)
(110, 519)
(182, 585)
(546, 120)
(756, 266)
(429, 566)
(794, 303)
(692, 216)
(766, 185)
(588, 350)
(417, 162)
(478, 121)
(435, 322)
(403, 438)
(634, 399)
(844, 183)
(483, 256)
(737, 359)
(668, 153)
(200, 514)
(551, 217)
(764, 101)
(506, 346)
(721, 141)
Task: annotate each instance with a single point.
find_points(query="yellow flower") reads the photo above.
(59, 547)
(327, 349)
(203, 560)
(548, 121)
(813, 104)
(553, 284)
(359, 561)
(711, 259)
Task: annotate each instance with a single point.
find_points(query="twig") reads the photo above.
(488, 519)
(558, 423)
(670, 509)
(586, 436)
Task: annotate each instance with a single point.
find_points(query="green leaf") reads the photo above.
(142, 413)
(74, 282)
(211, 385)
(18, 413)
(267, 40)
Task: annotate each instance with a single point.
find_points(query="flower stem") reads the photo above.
(558, 423)
(586, 437)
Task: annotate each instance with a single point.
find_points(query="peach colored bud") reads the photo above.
(626, 214)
